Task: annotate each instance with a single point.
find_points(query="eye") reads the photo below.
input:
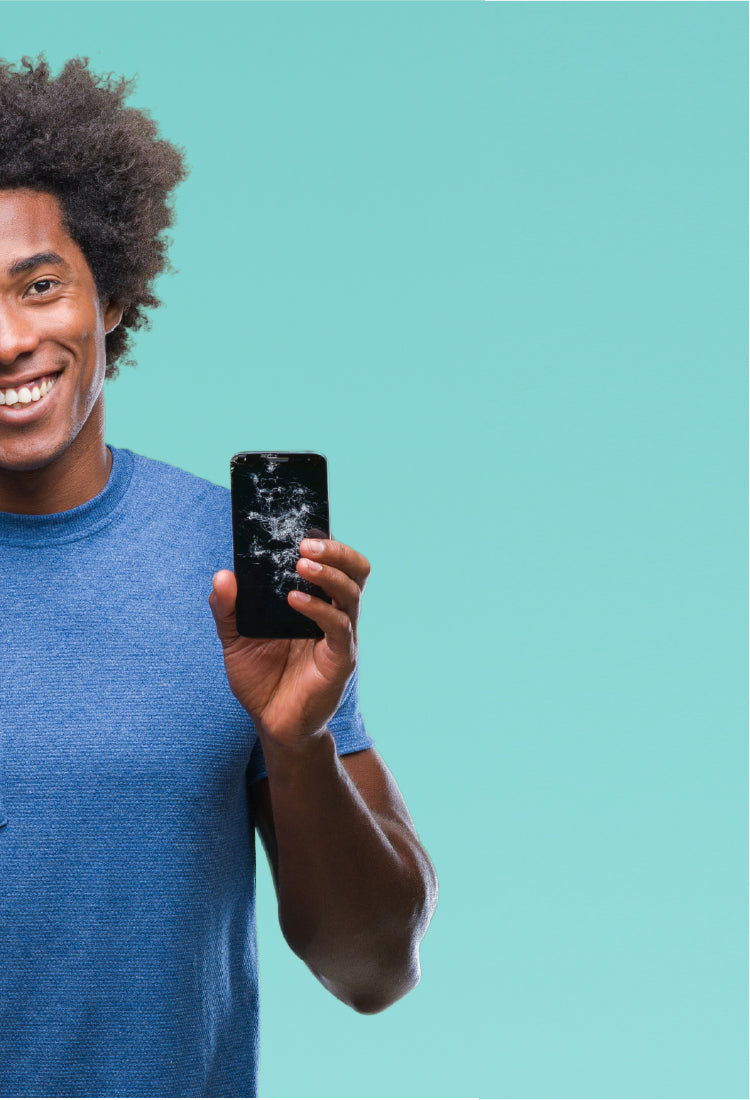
(41, 287)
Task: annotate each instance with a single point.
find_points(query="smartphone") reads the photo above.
(278, 499)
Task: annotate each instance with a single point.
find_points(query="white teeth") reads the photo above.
(26, 394)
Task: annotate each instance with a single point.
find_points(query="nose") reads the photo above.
(18, 335)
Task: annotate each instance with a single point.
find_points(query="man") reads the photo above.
(141, 738)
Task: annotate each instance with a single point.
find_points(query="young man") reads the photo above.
(141, 738)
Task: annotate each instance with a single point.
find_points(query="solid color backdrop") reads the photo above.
(491, 260)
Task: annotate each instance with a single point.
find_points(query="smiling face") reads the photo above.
(52, 328)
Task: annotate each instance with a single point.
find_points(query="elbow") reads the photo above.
(390, 968)
(376, 986)
(368, 981)
(386, 991)
(371, 961)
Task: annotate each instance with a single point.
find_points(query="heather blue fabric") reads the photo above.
(128, 962)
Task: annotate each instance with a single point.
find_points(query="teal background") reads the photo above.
(490, 259)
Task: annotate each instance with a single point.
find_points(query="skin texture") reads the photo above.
(51, 319)
(356, 889)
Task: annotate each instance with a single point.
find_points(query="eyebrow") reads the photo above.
(20, 267)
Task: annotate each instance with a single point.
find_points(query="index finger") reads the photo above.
(339, 556)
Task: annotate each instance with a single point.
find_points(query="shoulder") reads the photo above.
(167, 498)
(154, 476)
(155, 472)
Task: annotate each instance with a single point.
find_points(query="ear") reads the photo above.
(112, 316)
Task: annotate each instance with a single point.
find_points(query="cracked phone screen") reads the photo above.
(278, 499)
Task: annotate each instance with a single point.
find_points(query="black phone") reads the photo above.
(278, 499)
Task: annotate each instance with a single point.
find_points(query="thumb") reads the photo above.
(221, 600)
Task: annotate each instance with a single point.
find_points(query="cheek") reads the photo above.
(77, 336)
(74, 323)
(86, 340)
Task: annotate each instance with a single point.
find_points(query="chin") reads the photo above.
(33, 456)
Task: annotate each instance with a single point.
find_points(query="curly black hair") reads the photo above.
(110, 171)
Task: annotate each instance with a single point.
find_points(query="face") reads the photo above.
(52, 330)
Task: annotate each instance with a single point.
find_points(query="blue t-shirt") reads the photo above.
(128, 960)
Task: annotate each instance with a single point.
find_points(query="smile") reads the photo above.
(34, 390)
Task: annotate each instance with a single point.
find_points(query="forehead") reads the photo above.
(31, 222)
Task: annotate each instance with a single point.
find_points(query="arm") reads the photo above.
(356, 889)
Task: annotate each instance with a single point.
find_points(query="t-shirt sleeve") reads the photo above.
(347, 726)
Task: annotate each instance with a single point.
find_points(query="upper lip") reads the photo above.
(16, 383)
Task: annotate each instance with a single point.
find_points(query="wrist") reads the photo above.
(288, 754)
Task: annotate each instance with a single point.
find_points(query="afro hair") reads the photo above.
(73, 138)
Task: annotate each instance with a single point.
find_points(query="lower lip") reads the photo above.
(33, 411)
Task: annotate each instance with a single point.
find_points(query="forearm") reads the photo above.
(356, 889)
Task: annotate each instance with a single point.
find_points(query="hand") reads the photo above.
(291, 687)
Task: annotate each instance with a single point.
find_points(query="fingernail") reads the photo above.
(301, 596)
(312, 566)
(315, 546)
